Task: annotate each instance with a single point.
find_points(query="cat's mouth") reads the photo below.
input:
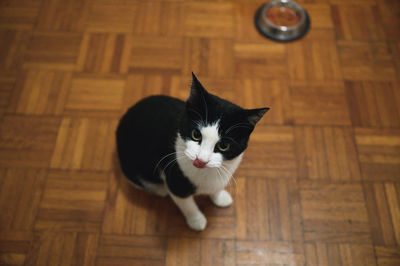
(198, 163)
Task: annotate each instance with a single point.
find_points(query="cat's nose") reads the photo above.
(199, 164)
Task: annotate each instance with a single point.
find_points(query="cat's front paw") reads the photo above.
(197, 223)
(222, 199)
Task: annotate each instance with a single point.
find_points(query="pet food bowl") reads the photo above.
(282, 20)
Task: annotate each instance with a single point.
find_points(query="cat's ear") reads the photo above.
(254, 115)
(197, 91)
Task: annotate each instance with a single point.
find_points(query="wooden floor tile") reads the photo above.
(271, 153)
(130, 211)
(387, 255)
(21, 191)
(183, 251)
(313, 60)
(264, 60)
(382, 99)
(366, 61)
(94, 95)
(7, 82)
(244, 16)
(217, 51)
(159, 18)
(40, 92)
(357, 22)
(157, 54)
(21, 14)
(102, 16)
(27, 141)
(383, 205)
(388, 10)
(320, 13)
(104, 53)
(270, 253)
(68, 15)
(68, 196)
(326, 153)
(85, 144)
(49, 50)
(13, 46)
(14, 246)
(59, 248)
(318, 103)
(379, 153)
(267, 210)
(339, 254)
(334, 208)
(208, 19)
(130, 250)
(217, 252)
(261, 92)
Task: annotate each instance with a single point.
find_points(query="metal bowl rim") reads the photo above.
(261, 29)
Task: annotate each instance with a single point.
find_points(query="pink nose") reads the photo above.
(198, 163)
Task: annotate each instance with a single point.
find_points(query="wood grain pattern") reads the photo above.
(329, 99)
(382, 100)
(58, 51)
(68, 15)
(313, 60)
(40, 92)
(357, 22)
(27, 141)
(319, 182)
(366, 61)
(378, 152)
(269, 213)
(326, 153)
(73, 150)
(339, 254)
(383, 198)
(328, 207)
(68, 196)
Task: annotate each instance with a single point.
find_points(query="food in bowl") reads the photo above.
(282, 16)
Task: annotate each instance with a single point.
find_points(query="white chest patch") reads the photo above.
(217, 173)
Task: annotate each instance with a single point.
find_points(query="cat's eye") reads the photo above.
(196, 135)
(223, 146)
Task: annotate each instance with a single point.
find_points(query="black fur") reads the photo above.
(148, 131)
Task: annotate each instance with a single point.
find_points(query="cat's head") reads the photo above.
(215, 130)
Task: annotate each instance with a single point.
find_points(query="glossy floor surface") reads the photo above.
(320, 181)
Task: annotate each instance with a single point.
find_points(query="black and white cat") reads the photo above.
(167, 146)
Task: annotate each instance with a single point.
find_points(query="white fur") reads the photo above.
(210, 180)
(194, 217)
(217, 173)
(221, 198)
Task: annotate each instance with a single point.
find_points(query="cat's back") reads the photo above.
(147, 131)
(152, 114)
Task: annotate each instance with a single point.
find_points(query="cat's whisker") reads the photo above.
(230, 176)
(220, 176)
(173, 161)
(163, 158)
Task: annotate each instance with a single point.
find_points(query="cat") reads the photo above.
(181, 149)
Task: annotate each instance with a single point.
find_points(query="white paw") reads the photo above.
(222, 199)
(197, 223)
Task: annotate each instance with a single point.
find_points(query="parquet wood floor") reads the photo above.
(320, 181)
